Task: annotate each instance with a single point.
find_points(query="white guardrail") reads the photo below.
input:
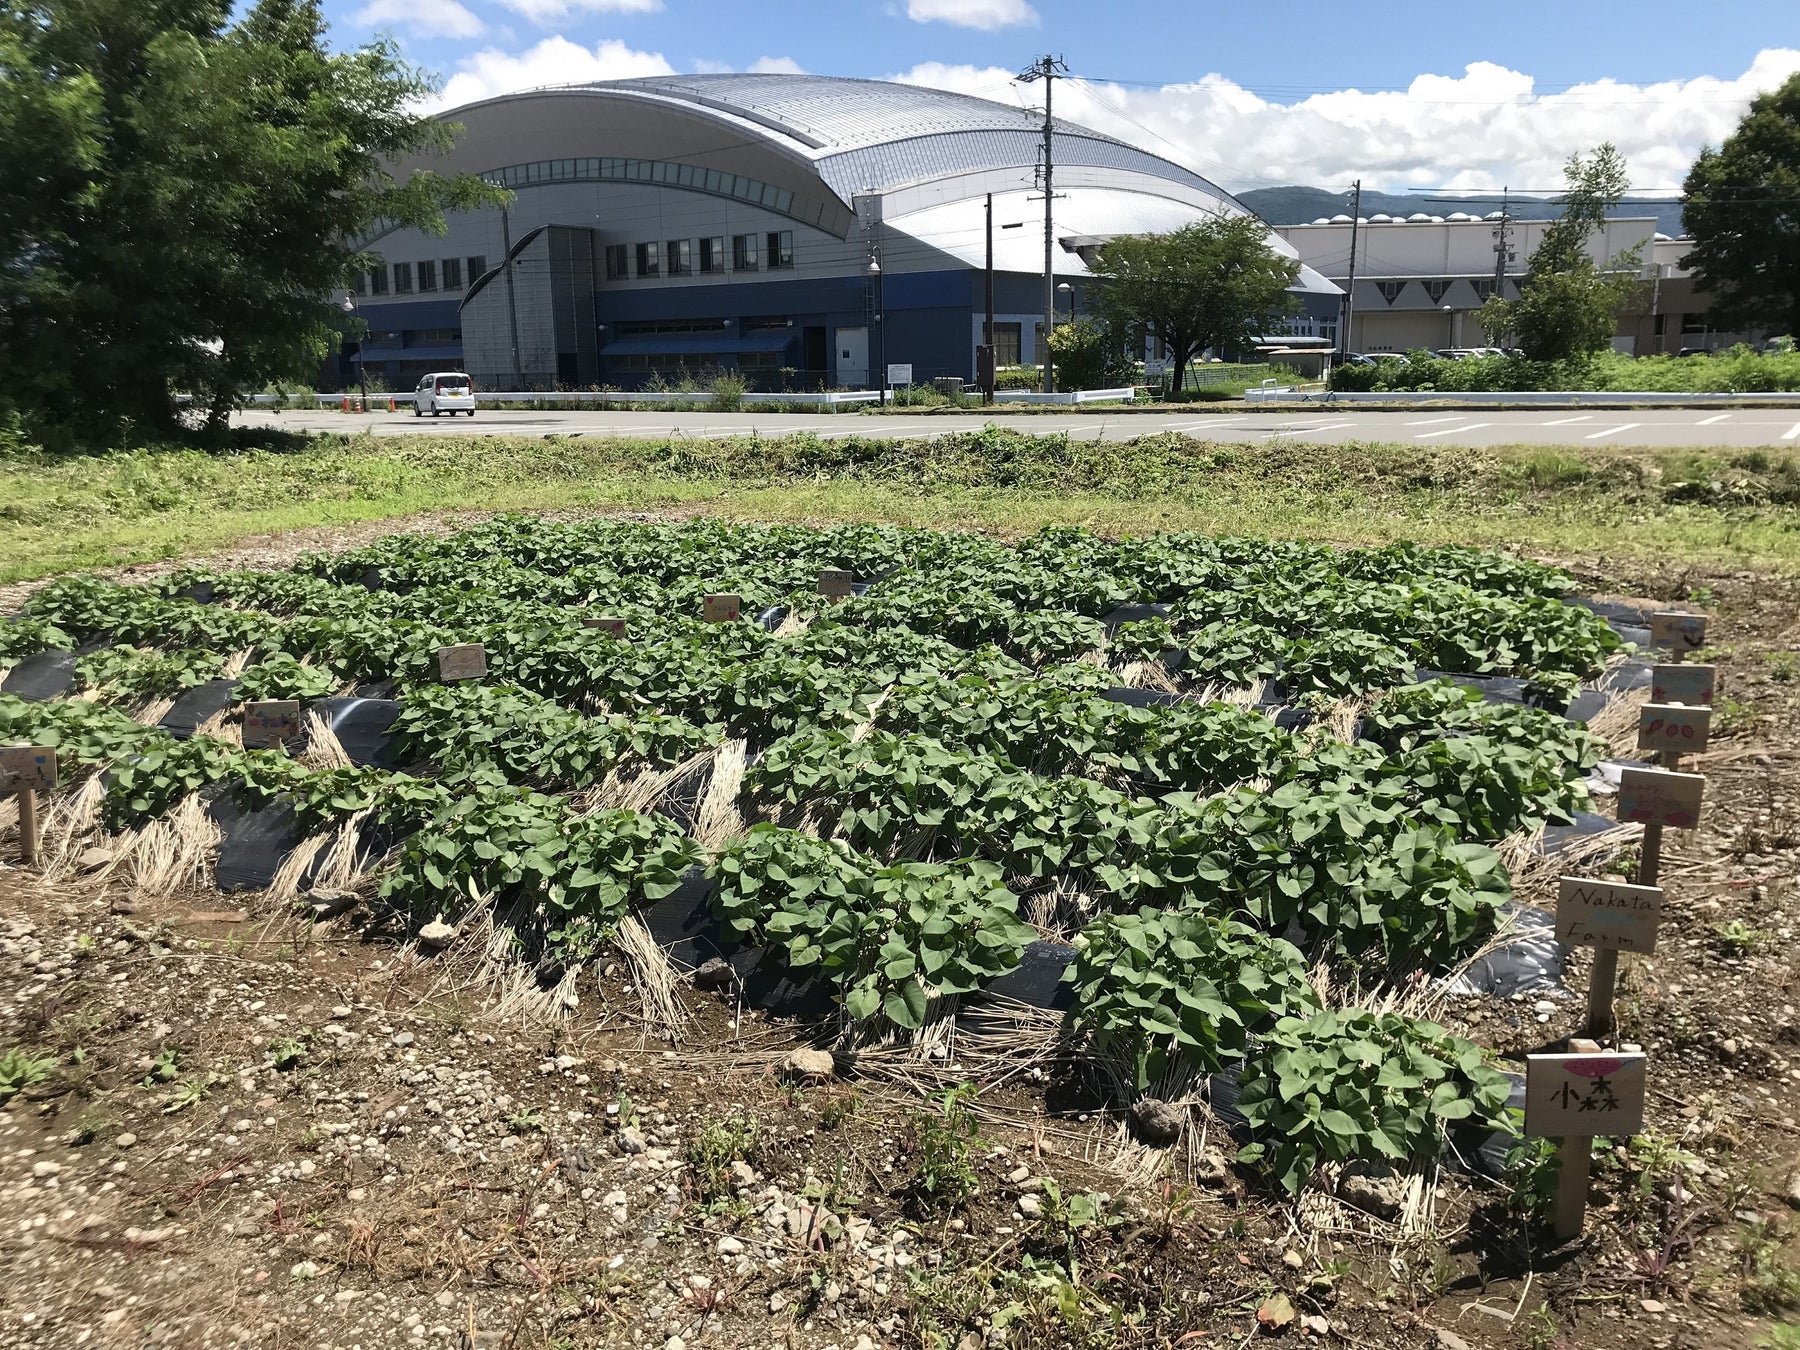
(1072, 397)
(1597, 397)
(831, 398)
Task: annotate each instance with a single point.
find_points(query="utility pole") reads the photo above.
(1350, 283)
(1500, 247)
(1047, 68)
(512, 308)
(986, 371)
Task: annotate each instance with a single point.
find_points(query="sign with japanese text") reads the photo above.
(269, 723)
(722, 608)
(465, 661)
(834, 583)
(1607, 914)
(1580, 1096)
(1655, 797)
(1692, 685)
(27, 766)
(1673, 727)
(1683, 632)
(607, 624)
(900, 374)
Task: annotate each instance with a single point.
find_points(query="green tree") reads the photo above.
(1215, 283)
(1741, 203)
(1569, 304)
(1086, 355)
(204, 186)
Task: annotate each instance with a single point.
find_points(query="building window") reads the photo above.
(402, 278)
(477, 268)
(1390, 290)
(359, 284)
(1661, 325)
(1007, 337)
(428, 276)
(681, 257)
(712, 254)
(744, 257)
(781, 249)
(1484, 287)
(1437, 288)
(378, 279)
(452, 274)
(649, 260)
(618, 262)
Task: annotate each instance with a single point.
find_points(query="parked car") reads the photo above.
(1358, 359)
(447, 391)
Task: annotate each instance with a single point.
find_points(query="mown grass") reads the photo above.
(60, 512)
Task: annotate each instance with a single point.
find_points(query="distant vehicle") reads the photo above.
(1468, 353)
(446, 391)
(1358, 359)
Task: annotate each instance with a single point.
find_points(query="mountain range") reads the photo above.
(1302, 205)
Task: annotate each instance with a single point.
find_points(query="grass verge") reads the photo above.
(59, 512)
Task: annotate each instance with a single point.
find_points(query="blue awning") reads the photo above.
(699, 344)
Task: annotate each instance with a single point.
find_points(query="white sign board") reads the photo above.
(1580, 1096)
(900, 374)
(1607, 914)
(269, 723)
(465, 661)
(722, 608)
(612, 627)
(834, 583)
(1683, 632)
(27, 766)
(1674, 728)
(1655, 797)
(1692, 685)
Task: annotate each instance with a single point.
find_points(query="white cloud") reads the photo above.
(1486, 128)
(430, 18)
(988, 14)
(544, 11)
(776, 65)
(555, 60)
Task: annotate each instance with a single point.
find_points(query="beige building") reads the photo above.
(1421, 280)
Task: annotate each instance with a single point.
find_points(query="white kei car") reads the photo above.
(448, 391)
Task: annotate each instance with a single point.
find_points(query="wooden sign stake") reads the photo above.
(24, 769)
(28, 826)
(1573, 1097)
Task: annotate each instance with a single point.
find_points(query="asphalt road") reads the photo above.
(1743, 427)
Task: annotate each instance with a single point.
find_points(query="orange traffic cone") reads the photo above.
(390, 403)
(346, 403)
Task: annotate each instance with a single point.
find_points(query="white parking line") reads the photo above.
(1451, 431)
(1433, 421)
(1708, 421)
(1564, 421)
(1792, 433)
(1612, 431)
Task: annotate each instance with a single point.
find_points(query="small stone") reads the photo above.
(403, 1039)
(329, 904)
(303, 1270)
(777, 1301)
(730, 1246)
(1651, 1305)
(1020, 1173)
(714, 973)
(437, 935)
(1728, 1048)
(1449, 1340)
(1212, 1168)
(125, 1140)
(1030, 1206)
(743, 1174)
(631, 1140)
(1372, 1187)
(93, 859)
(1292, 1259)
(45, 1169)
(1157, 1123)
(804, 1065)
(674, 1343)
(1312, 1322)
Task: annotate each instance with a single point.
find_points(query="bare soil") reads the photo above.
(263, 1134)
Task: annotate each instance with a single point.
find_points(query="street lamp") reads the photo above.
(880, 328)
(1450, 317)
(362, 377)
(1064, 288)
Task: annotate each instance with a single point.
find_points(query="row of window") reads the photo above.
(773, 251)
(693, 361)
(646, 171)
(429, 275)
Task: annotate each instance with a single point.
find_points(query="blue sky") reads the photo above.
(1445, 94)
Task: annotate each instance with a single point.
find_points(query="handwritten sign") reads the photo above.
(1607, 915)
(1683, 632)
(722, 608)
(612, 627)
(27, 766)
(268, 723)
(1654, 797)
(834, 583)
(1673, 727)
(1692, 685)
(465, 661)
(1580, 1096)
